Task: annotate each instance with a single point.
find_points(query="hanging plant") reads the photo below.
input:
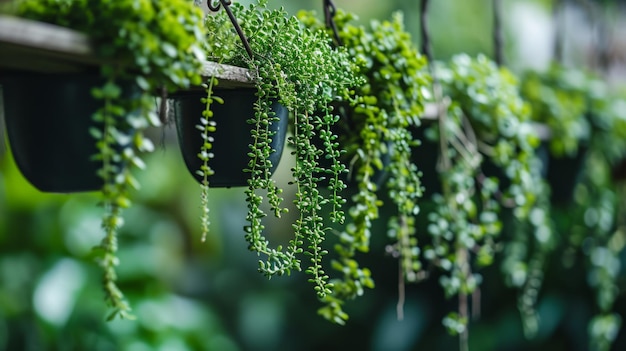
(377, 129)
(560, 99)
(297, 67)
(487, 161)
(150, 46)
(593, 224)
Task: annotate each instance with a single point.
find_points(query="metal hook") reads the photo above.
(426, 49)
(329, 13)
(225, 4)
(218, 5)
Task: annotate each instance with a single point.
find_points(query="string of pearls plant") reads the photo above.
(376, 129)
(299, 68)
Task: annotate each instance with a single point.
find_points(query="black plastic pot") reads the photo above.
(47, 118)
(232, 137)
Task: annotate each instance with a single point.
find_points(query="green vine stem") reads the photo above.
(376, 130)
(206, 127)
(113, 192)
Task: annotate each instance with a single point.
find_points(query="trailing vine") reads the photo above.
(585, 118)
(594, 226)
(526, 253)
(486, 163)
(559, 98)
(297, 67)
(207, 128)
(376, 129)
(597, 202)
(151, 45)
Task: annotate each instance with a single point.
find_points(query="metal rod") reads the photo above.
(329, 15)
(226, 5)
(425, 37)
(558, 33)
(497, 33)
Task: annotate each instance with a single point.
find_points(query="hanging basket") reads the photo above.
(232, 138)
(47, 118)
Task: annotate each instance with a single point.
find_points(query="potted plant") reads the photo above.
(297, 68)
(142, 50)
(487, 164)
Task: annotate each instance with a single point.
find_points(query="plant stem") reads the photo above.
(463, 264)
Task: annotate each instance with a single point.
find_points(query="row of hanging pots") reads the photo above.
(48, 117)
(52, 147)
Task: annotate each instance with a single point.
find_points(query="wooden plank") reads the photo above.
(42, 47)
(229, 76)
(44, 36)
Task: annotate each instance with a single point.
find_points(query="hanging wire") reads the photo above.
(497, 33)
(226, 5)
(600, 25)
(425, 37)
(443, 163)
(558, 32)
(329, 15)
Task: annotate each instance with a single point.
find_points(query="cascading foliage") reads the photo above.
(146, 46)
(297, 67)
(376, 131)
(487, 162)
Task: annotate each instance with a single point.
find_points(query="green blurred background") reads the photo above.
(190, 295)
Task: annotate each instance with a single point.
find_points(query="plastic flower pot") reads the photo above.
(47, 119)
(232, 136)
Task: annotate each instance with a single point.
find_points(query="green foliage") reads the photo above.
(376, 129)
(585, 117)
(560, 98)
(595, 231)
(147, 45)
(298, 67)
(487, 162)
(607, 117)
(49, 287)
(525, 254)
(362, 101)
(207, 127)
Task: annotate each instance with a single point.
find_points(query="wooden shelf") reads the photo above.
(27, 45)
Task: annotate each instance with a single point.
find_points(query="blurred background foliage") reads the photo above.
(190, 295)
